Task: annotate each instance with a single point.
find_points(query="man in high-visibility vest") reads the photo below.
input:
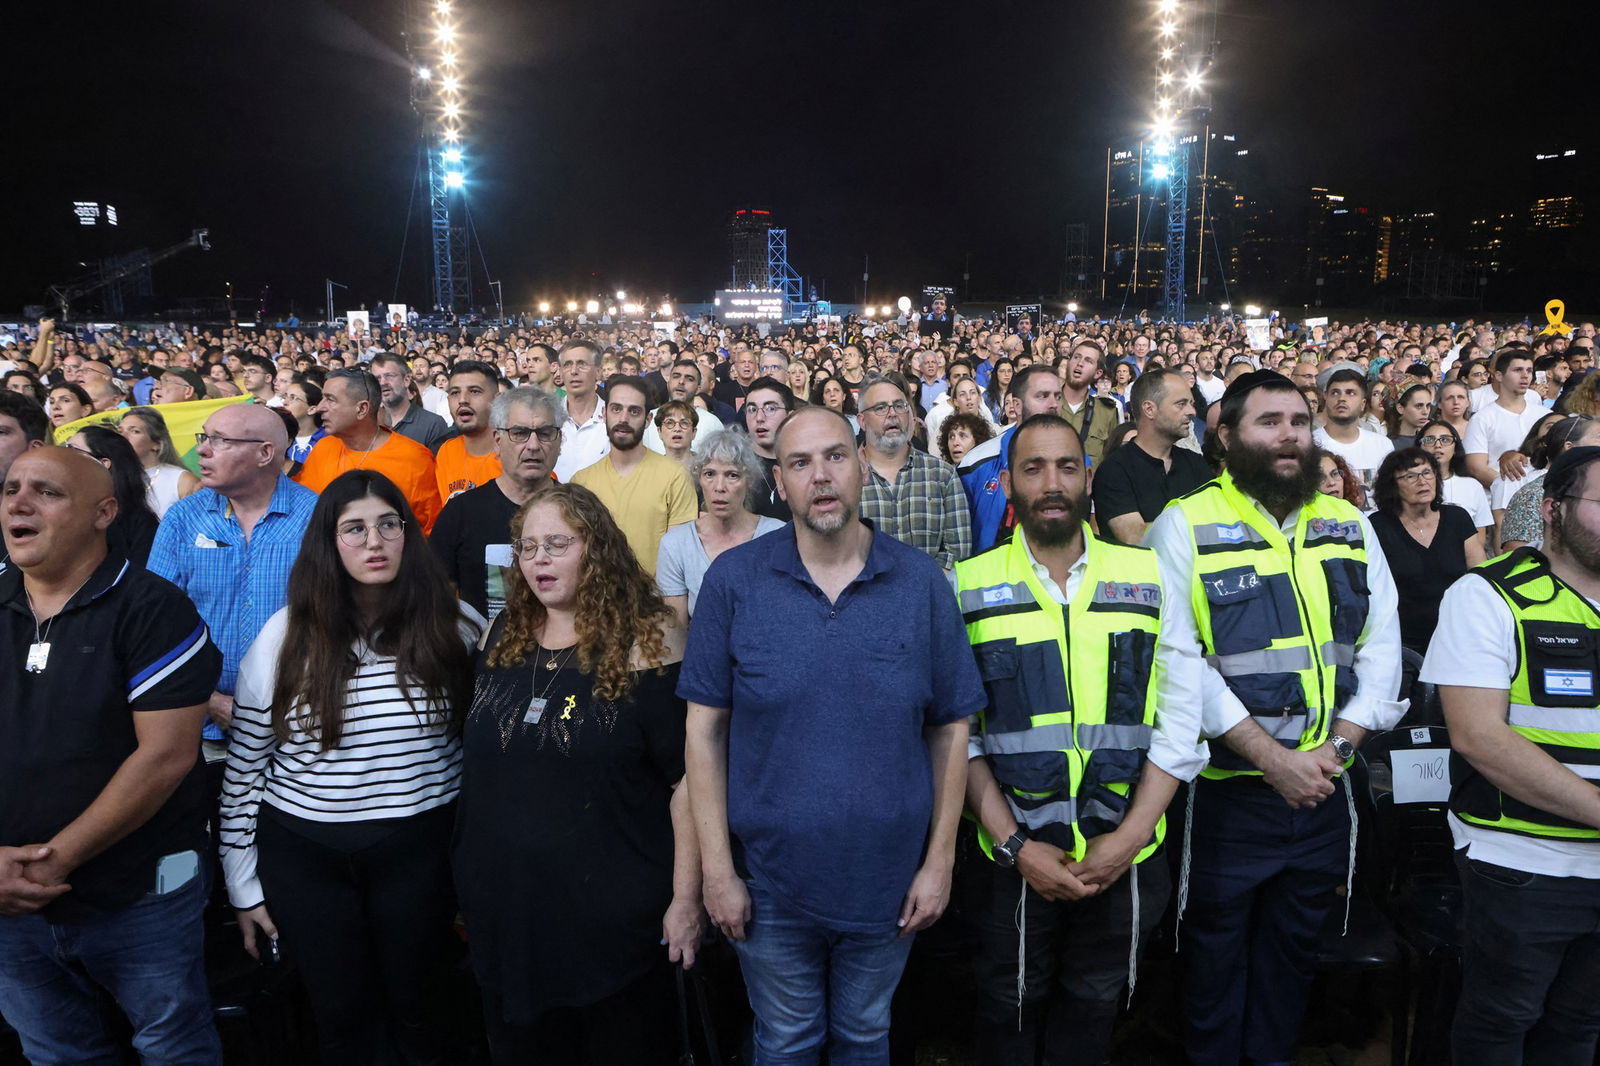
(1283, 616)
(1515, 657)
(1073, 764)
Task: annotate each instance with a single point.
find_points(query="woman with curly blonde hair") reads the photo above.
(575, 851)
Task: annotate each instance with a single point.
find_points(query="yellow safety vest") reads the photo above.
(1279, 619)
(1552, 697)
(1071, 704)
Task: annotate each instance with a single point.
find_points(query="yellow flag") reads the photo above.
(183, 420)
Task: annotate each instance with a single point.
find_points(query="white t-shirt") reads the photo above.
(1364, 454)
(1480, 397)
(1466, 493)
(1212, 390)
(1501, 489)
(1475, 646)
(1493, 430)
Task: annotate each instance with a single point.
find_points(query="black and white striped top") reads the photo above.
(391, 761)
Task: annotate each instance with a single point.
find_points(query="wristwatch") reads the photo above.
(1342, 748)
(1006, 853)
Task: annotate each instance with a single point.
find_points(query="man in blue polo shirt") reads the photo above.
(230, 545)
(827, 812)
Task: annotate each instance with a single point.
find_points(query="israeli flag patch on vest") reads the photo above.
(997, 594)
(1569, 682)
(1233, 534)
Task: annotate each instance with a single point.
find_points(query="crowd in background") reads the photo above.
(445, 582)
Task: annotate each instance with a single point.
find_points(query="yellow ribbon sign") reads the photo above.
(1554, 312)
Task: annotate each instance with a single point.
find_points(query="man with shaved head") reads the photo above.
(104, 673)
(230, 544)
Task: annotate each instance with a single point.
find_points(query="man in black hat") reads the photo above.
(1283, 615)
(1515, 659)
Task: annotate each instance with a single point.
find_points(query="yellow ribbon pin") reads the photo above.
(1554, 311)
(571, 705)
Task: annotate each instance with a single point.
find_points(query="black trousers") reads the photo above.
(1075, 966)
(1530, 964)
(370, 930)
(1262, 879)
(634, 1027)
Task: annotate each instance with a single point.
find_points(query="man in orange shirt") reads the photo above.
(355, 441)
(468, 459)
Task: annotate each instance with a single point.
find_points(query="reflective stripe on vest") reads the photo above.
(1065, 733)
(1552, 698)
(1278, 619)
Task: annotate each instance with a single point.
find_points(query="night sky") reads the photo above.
(613, 137)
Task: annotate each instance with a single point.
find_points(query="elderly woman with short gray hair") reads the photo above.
(726, 471)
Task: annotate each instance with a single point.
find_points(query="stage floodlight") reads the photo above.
(452, 110)
(870, 312)
(1160, 172)
(1072, 309)
(454, 179)
(621, 295)
(1253, 310)
(450, 85)
(572, 305)
(452, 155)
(448, 59)
(592, 307)
(544, 307)
(666, 309)
(1194, 79)
(447, 33)
(423, 73)
(886, 310)
(1226, 308)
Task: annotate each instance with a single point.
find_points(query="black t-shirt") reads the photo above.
(1131, 479)
(564, 847)
(127, 643)
(472, 538)
(767, 501)
(730, 392)
(1421, 575)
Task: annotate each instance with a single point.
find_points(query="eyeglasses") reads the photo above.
(1437, 438)
(520, 434)
(878, 410)
(556, 544)
(355, 534)
(676, 423)
(769, 408)
(1411, 477)
(217, 441)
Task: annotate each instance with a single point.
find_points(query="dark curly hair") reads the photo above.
(978, 426)
(621, 608)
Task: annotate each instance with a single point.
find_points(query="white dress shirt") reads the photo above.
(1377, 665)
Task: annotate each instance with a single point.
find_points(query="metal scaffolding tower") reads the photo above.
(782, 276)
(1177, 231)
(452, 283)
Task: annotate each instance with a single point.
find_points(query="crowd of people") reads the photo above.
(595, 643)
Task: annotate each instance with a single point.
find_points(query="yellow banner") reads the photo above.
(183, 420)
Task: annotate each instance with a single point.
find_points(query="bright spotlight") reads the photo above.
(544, 307)
(621, 295)
(448, 59)
(886, 310)
(1166, 77)
(452, 135)
(1194, 79)
(572, 305)
(1252, 310)
(1168, 29)
(447, 33)
(452, 155)
(666, 309)
(454, 179)
(442, 7)
(1072, 308)
(592, 307)
(611, 310)
(1166, 53)
(452, 110)
(423, 73)
(1160, 172)
(871, 311)
(450, 85)
(1167, 6)
(1226, 308)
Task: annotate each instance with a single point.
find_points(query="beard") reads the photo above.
(1051, 532)
(891, 440)
(622, 437)
(1254, 471)
(828, 524)
(1577, 541)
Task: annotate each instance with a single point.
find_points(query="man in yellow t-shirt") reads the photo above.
(646, 492)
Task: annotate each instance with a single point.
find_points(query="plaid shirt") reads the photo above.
(926, 507)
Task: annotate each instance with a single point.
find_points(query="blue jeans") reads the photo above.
(810, 986)
(150, 958)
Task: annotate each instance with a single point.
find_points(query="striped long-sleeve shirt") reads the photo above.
(391, 761)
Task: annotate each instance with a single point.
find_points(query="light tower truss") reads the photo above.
(1185, 53)
(780, 275)
(439, 98)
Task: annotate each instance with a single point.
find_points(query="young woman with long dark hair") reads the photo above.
(344, 763)
(133, 531)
